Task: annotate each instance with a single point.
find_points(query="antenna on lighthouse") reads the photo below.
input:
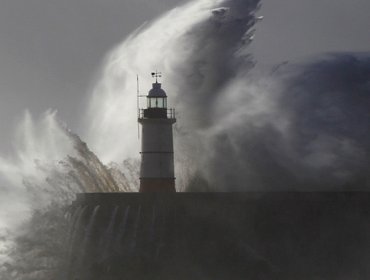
(137, 101)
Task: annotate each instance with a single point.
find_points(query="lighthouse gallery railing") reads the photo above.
(170, 113)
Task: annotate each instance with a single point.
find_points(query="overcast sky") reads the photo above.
(51, 50)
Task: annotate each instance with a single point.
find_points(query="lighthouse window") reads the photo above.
(158, 102)
(152, 102)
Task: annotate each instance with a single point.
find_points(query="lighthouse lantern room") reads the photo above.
(157, 157)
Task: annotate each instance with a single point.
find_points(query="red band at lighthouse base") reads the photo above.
(148, 185)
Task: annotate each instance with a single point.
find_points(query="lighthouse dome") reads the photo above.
(157, 91)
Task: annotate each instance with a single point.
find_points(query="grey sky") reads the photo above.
(51, 50)
(293, 29)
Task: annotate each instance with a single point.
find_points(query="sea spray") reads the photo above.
(122, 229)
(108, 236)
(77, 228)
(88, 230)
(136, 228)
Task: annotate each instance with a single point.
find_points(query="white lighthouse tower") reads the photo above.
(157, 161)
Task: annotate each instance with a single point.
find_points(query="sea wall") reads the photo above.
(220, 236)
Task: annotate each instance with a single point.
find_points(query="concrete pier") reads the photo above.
(221, 236)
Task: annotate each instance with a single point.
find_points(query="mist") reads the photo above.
(300, 128)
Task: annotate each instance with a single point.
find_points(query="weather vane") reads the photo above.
(156, 75)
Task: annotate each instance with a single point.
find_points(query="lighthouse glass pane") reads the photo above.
(151, 102)
(160, 102)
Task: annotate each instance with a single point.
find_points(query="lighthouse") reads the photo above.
(157, 159)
